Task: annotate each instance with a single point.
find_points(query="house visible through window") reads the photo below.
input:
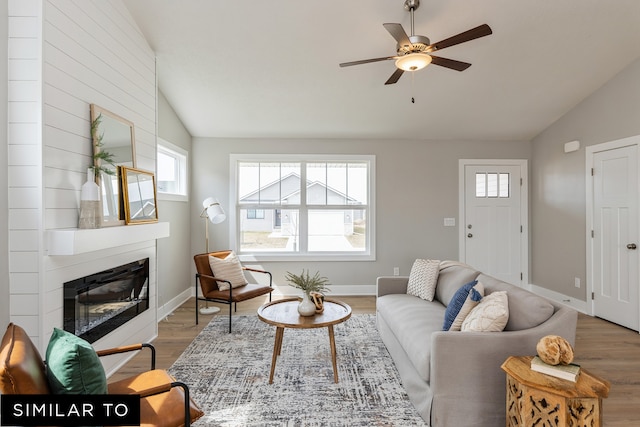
(172, 171)
(315, 207)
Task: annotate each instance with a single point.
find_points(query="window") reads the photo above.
(255, 213)
(492, 185)
(311, 207)
(172, 172)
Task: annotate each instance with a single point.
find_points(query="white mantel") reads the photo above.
(74, 241)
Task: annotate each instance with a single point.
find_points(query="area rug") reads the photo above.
(228, 375)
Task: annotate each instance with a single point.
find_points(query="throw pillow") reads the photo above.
(456, 303)
(73, 367)
(229, 269)
(423, 278)
(490, 315)
(463, 301)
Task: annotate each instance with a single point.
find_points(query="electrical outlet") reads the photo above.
(396, 271)
(577, 282)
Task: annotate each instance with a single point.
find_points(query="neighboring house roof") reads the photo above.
(289, 186)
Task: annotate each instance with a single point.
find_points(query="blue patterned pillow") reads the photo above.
(456, 303)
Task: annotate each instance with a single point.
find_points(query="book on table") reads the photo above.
(568, 372)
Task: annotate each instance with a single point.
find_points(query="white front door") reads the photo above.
(493, 219)
(615, 235)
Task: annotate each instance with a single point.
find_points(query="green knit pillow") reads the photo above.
(73, 367)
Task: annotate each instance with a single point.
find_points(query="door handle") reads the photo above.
(469, 235)
(631, 246)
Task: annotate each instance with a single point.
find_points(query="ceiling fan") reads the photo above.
(414, 52)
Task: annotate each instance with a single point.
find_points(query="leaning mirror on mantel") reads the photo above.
(115, 135)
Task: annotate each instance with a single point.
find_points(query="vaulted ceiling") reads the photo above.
(270, 68)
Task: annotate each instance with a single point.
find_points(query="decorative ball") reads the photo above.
(555, 350)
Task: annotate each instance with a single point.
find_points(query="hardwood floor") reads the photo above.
(605, 349)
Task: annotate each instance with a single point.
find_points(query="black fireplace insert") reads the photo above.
(97, 304)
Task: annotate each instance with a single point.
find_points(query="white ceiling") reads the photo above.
(271, 70)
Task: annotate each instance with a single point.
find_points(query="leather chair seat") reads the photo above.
(158, 410)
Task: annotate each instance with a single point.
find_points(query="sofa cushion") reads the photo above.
(452, 275)
(490, 315)
(527, 309)
(461, 305)
(412, 320)
(73, 367)
(423, 278)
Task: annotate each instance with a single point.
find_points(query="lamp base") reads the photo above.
(209, 310)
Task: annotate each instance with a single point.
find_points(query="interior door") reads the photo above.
(493, 228)
(615, 236)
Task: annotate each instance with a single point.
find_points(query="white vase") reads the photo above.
(306, 306)
(90, 206)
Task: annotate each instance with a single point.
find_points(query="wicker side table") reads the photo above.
(543, 400)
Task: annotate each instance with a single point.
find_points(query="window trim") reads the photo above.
(233, 206)
(168, 146)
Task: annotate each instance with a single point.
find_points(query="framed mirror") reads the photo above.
(139, 195)
(114, 139)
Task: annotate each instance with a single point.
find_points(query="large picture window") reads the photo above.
(313, 207)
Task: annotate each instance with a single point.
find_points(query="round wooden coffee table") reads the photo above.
(284, 314)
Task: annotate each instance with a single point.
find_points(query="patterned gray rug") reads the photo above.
(228, 376)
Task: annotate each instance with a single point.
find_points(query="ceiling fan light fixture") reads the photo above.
(413, 61)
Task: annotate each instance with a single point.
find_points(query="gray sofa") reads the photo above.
(454, 378)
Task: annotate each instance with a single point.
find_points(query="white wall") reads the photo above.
(4, 219)
(174, 263)
(68, 55)
(417, 187)
(558, 193)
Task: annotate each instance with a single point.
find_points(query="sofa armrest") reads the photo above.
(465, 366)
(391, 285)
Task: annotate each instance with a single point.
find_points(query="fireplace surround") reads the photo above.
(96, 304)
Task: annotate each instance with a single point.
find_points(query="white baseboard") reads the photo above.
(572, 302)
(334, 290)
(174, 303)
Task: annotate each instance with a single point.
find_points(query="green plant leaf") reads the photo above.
(308, 283)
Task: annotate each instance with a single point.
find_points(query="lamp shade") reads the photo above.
(413, 61)
(214, 211)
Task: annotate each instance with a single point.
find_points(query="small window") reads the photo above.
(172, 172)
(492, 185)
(255, 213)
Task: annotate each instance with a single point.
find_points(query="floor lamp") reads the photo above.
(212, 211)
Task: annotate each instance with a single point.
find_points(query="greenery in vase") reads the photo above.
(308, 283)
(100, 156)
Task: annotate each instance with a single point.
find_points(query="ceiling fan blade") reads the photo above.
(472, 34)
(450, 63)
(366, 61)
(395, 76)
(398, 33)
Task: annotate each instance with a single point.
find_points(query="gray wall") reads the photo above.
(558, 193)
(4, 213)
(174, 262)
(417, 187)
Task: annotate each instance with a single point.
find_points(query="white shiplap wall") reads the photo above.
(25, 163)
(68, 54)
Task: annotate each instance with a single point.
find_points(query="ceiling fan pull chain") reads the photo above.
(413, 100)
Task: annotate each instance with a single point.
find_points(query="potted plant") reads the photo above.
(308, 284)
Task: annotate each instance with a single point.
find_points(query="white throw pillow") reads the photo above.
(423, 278)
(228, 269)
(490, 315)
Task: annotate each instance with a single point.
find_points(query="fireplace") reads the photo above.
(97, 304)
